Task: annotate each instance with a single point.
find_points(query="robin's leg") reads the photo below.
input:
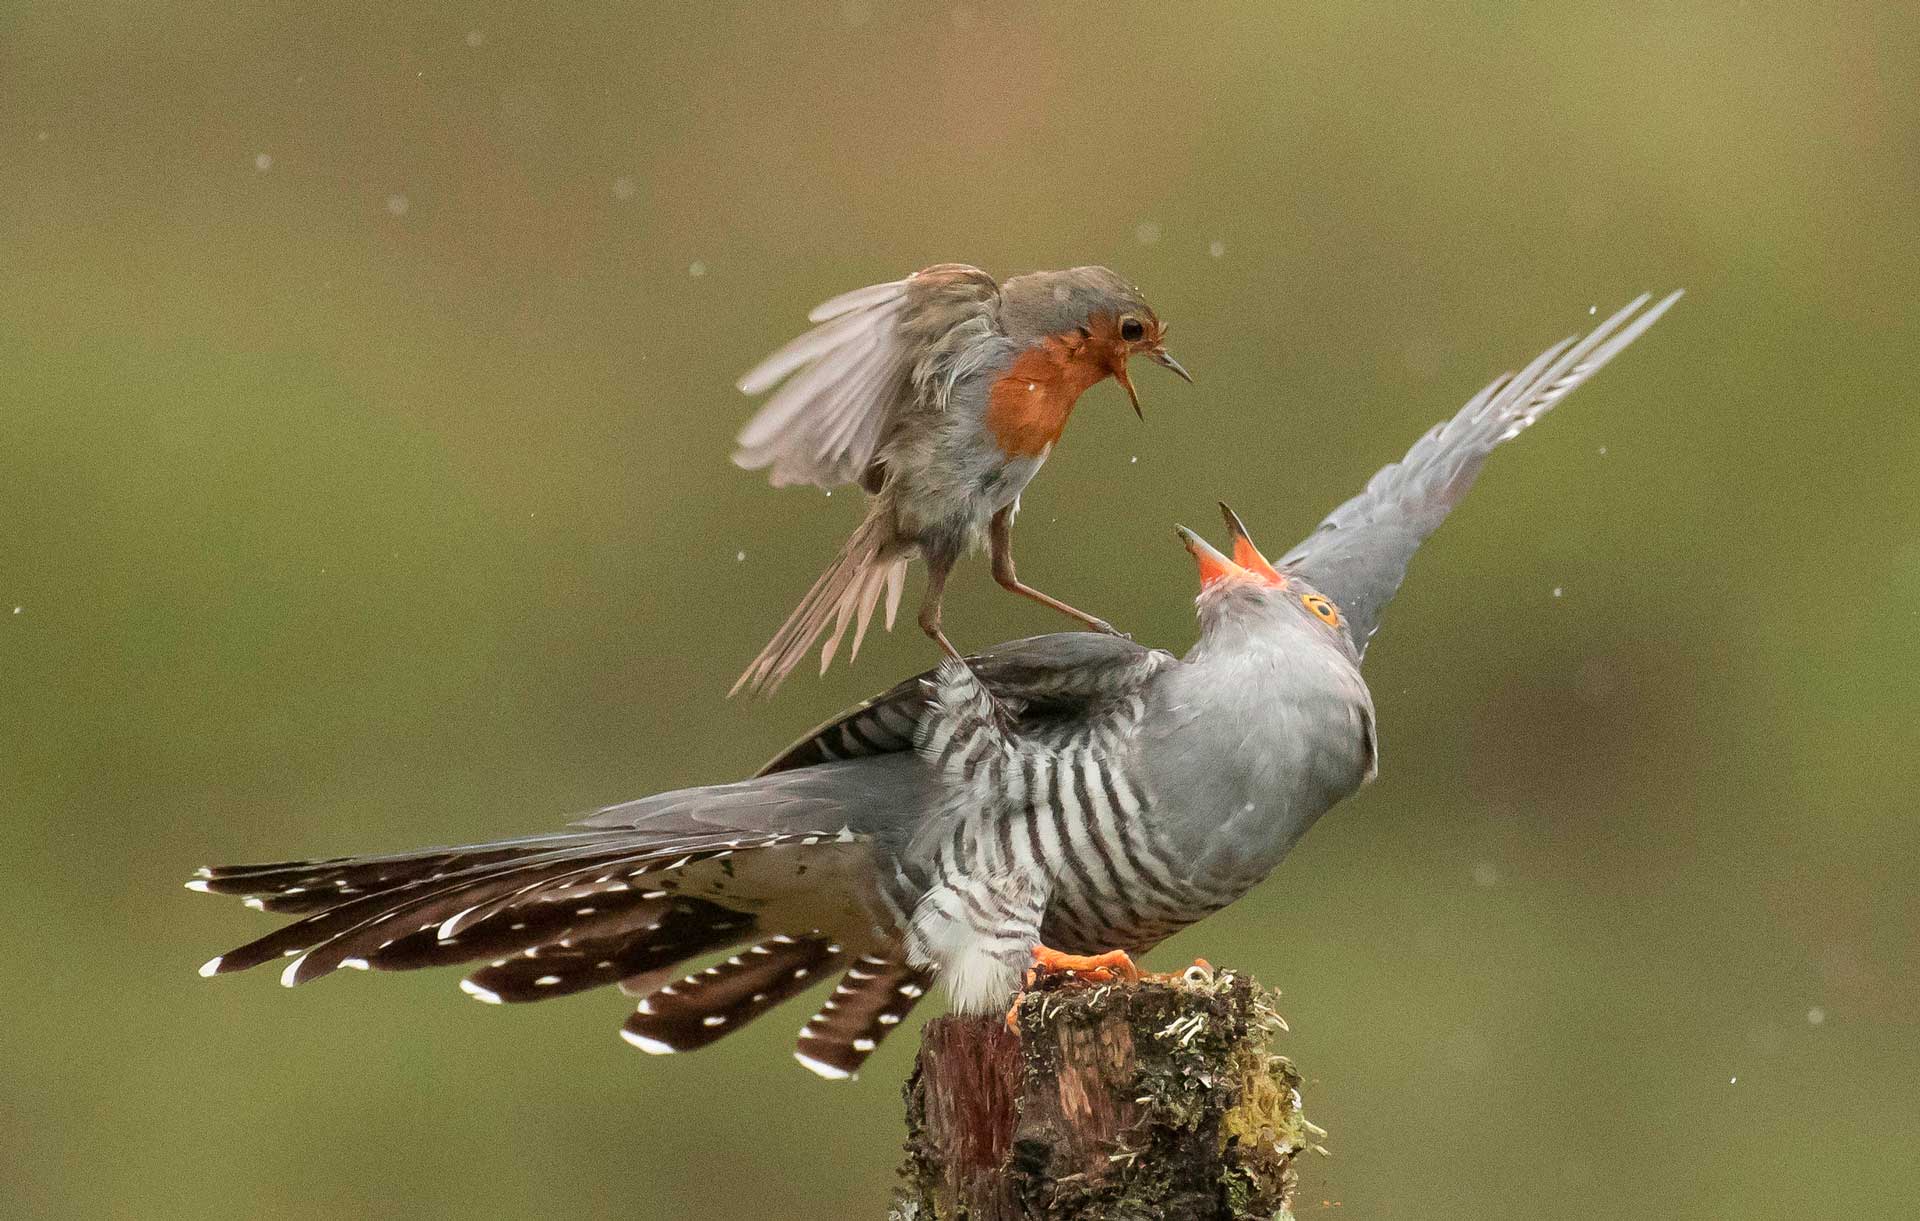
(937, 570)
(1000, 542)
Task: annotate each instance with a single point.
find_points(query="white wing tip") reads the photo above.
(653, 1047)
(211, 967)
(291, 976)
(830, 1071)
(200, 886)
(1663, 304)
(486, 996)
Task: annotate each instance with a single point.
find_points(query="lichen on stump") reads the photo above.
(1148, 1100)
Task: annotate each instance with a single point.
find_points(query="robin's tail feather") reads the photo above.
(846, 593)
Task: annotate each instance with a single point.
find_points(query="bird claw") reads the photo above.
(1087, 968)
(1097, 969)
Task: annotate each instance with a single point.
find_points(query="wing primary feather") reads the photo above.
(858, 298)
(1359, 553)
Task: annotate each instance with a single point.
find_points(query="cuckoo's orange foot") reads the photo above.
(1090, 968)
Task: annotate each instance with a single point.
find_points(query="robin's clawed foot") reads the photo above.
(1103, 627)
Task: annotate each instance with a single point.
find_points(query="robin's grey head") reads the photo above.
(1245, 590)
(1091, 315)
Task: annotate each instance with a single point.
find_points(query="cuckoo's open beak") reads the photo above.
(1245, 553)
(1213, 565)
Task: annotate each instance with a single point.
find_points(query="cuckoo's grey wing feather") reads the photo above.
(720, 817)
(1049, 674)
(354, 908)
(839, 383)
(1359, 554)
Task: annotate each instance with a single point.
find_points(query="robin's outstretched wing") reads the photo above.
(1359, 554)
(1060, 674)
(840, 382)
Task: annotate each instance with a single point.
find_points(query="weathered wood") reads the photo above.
(1135, 1101)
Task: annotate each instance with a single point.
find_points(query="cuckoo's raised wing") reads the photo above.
(1359, 554)
(840, 382)
(1062, 673)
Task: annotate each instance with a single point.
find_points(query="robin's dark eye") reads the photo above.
(1131, 330)
(1323, 608)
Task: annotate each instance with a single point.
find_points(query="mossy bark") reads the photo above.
(1135, 1101)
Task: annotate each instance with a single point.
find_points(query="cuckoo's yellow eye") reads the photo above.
(1328, 613)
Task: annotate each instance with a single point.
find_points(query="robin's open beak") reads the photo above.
(1245, 553)
(1126, 383)
(1159, 356)
(1213, 565)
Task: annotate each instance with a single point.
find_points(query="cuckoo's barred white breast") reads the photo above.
(1077, 790)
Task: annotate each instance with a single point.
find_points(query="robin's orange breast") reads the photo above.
(1028, 406)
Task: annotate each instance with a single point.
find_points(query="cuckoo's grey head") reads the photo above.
(1244, 591)
(1089, 315)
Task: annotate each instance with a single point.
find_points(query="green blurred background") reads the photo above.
(363, 484)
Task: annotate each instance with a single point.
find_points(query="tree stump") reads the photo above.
(1135, 1101)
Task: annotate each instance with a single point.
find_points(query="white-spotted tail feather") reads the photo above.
(870, 1001)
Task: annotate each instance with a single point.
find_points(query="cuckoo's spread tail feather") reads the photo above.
(873, 562)
(556, 915)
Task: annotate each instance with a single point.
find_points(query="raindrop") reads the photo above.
(696, 269)
(1815, 1015)
(1147, 232)
(262, 162)
(739, 557)
(475, 38)
(1557, 591)
(1485, 874)
(624, 187)
(1216, 248)
(397, 204)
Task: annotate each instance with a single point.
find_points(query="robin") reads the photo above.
(1059, 803)
(941, 395)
